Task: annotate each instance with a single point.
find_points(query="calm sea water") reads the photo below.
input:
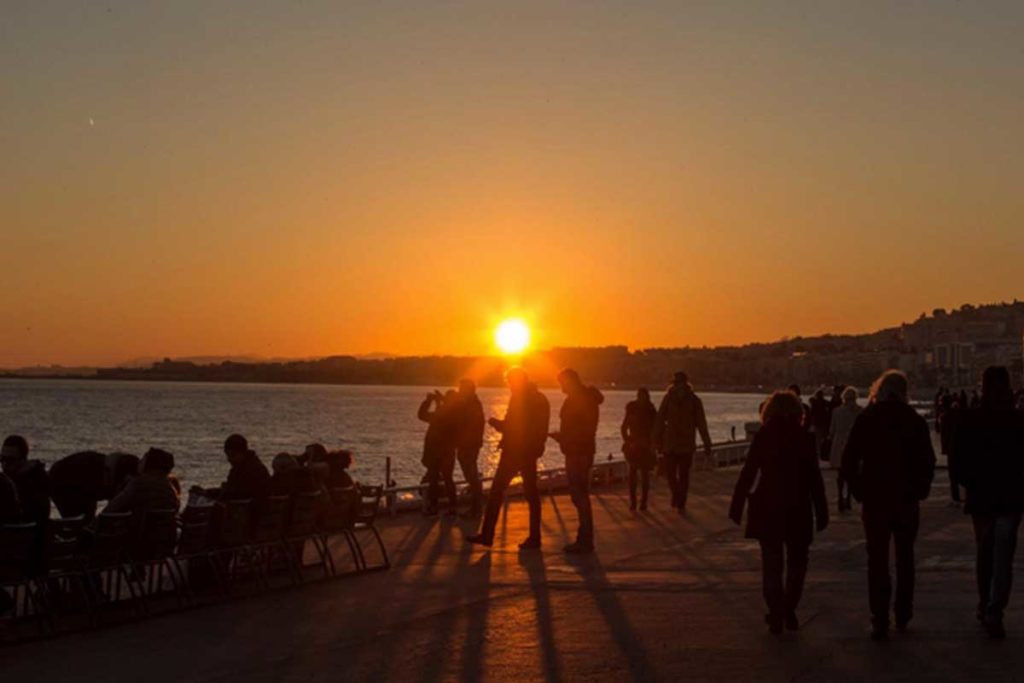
(191, 420)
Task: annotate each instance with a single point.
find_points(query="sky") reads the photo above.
(308, 178)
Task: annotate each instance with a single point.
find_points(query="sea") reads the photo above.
(191, 420)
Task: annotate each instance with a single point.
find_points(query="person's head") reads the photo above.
(284, 462)
(517, 379)
(996, 389)
(782, 405)
(467, 387)
(569, 380)
(850, 396)
(315, 452)
(819, 394)
(13, 454)
(450, 397)
(680, 378)
(891, 385)
(344, 459)
(236, 447)
(120, 467)
(795, 389)
(643, 394)
(157, 460)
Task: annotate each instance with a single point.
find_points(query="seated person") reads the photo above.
(79, 481)
(151, 489)
(339, 462)
(248, 478)
(30, 480)
(290, 478)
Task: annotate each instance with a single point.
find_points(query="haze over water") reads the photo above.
(191, 420)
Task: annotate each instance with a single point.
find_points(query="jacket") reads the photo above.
(888, 460)
(987, 459)
(145, 492)
(843, 418)
(790, 493)
(680, 418)
(578, 418)
(33, 486)
(470, 426)
(524, 431)
(439, 442)
(249, 479)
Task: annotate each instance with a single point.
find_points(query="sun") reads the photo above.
(512, 336)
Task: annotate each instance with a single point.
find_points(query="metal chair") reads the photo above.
(265, 544)
(231, 523)
(338, 519)
(365, 518)
(191, 558)
(302, 527)
(105, 561)
(152, 552)
(19, 555)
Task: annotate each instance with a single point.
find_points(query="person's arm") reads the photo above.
(852, 455)
(424, 413)
(658, 434)
(818, 497)
(702, 426)
(746, 480)
(126, 500)
(10, 507)
(927, 457)
(624, 428)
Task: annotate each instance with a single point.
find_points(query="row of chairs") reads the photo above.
(219, 551)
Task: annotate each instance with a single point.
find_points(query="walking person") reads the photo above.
(843, 418)
(469, 441)
(439, 449)
(988, 460)
(638, 445)
(889, 464)
(577, 438)
(787, 505)
(524, 432)
(680, 418)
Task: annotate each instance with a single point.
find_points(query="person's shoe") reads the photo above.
(902, 624)
(774, 624)
(480, 539)
(578, 548)
(880, 632)
(995, 629)
(791, 622)
(530, 543)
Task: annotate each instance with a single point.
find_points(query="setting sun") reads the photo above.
(512, 336)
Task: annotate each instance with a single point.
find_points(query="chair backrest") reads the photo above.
(63, 543)
(196, 535)
(158, 535)
(234, 517)
(369, 503)
(17, 551)
(270, 523)
(111, 535)
(304, 512)
(339, 513)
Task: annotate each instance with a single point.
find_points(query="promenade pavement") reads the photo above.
(664, 598)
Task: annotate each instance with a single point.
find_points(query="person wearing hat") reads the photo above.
(152, 489)
(680, 417)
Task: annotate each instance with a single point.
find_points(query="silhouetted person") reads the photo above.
(151, 489)
(843, 418)
(439, 448)
(577, 439)
(29, 478)
(788, 500)
(10, 507)
(469, 441)
(289, 477)
(805, 421)
(821, 416)
(78, 482)
(680, 418)
(889, 464)
(988, 459)
(248, 478)
(638, 445)
(524, 432)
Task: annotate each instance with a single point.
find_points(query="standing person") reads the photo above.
(988, 458)
(469, 441)
(577, 438)
(820, 419)
(788, 503)
(638, 444)
(680, 417)
(439, 449)
(524, 432)
(78, 482)
(889, 464)
(29, 477)
(843, 418)
(805, 420)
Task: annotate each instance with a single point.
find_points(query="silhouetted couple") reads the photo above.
(455, 433)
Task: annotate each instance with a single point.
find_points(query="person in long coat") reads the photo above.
(638, 444)
(786, 506)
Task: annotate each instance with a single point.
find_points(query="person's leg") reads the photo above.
(495, 498)
(685, 464)
(672, 476)
(877, 534)
(1004, 545)
(841, 487)
(771, 582)
(532, 494)
(645, 487)
(579, 490)
(449, 484)
(632, 486)
(904, 537)
(796, 573)
(433, 492)
(470, 472)
(983, 525)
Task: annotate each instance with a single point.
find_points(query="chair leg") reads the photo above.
(383, 550)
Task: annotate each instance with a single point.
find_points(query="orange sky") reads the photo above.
(301, 179)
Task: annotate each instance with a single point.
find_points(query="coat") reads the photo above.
(249, 479)
(439, 442)
(638, 433)
(843, 418)
(470, 424)
(790, 493)
(524, 431)
(888, 460)
(987, 459)
(680, 418)
(578, 418)
(145, 492)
